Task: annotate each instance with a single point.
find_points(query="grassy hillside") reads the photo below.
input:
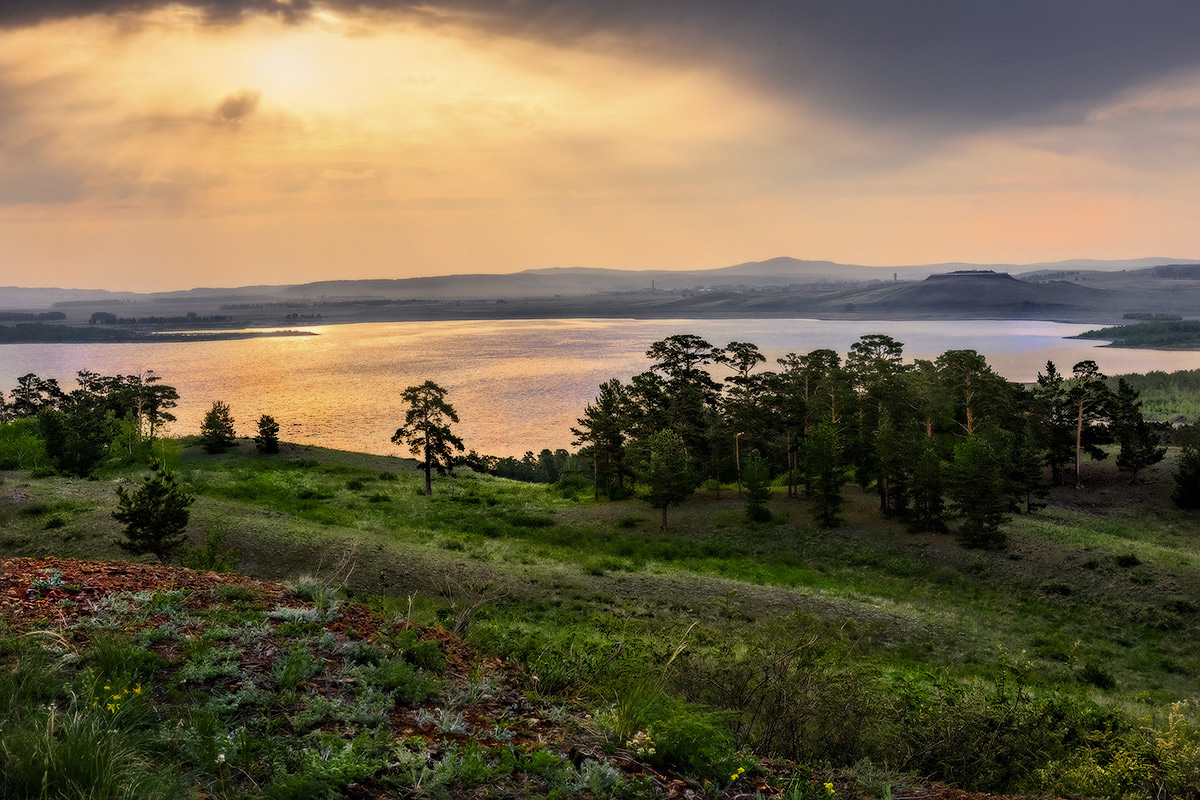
(1068, 663)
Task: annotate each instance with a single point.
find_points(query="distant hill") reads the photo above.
(566, 281)
(1097, 291)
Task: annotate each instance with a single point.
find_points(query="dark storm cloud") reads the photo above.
(943, 61)
(20, 12)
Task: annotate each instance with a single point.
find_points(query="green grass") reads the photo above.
(1093, 605)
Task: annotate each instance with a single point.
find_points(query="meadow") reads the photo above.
(1066, 663)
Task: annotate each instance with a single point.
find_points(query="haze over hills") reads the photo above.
(781, 272)
(1076, 291)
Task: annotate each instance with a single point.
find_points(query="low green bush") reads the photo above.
(213, 557)
(398, 678)
(697, 743)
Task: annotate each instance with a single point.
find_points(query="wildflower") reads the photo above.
(220, 758)
(829, 788)
(137, 689)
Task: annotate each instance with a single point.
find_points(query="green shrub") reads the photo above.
(401, 680)
(984, 736)
(232, 593)
(791, 689)
(362, 653)
(699, 744)
(21, 446)
(298, 665)
(213, 557)
(1150, 760)
(326, 766)
(117, 658)
(1097, 676)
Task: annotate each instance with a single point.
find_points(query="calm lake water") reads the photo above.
(517, 385)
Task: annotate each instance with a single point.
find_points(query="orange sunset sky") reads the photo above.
(151, 146)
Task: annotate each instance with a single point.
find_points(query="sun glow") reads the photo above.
(417, 143)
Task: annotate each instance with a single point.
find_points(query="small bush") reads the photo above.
(401, 680)
(233, 593)
(699, 744)
(213, 557)
(297, 666)
(1097, 676)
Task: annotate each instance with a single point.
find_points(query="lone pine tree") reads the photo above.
(426, 430)
(155, 515)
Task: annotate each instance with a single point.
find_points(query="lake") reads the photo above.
(517, 384)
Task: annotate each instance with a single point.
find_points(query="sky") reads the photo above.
(151, 146)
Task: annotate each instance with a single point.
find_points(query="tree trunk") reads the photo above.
(1078, 446)
(663, 525)
(428, 475)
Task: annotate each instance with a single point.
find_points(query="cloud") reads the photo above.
(237, 106)
(344, 176)
(930, 62)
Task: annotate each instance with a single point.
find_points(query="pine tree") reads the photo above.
(267, 440)
(155, 515)
(601, 432)
(666, 472)
(928, 486)
(426, 430)
(978, 489)
(756, 479)
(824, 466)
(1187, 479)
(1090, 402)
(216, 432)
(1140, 439)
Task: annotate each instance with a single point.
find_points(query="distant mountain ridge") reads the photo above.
(561, 281)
